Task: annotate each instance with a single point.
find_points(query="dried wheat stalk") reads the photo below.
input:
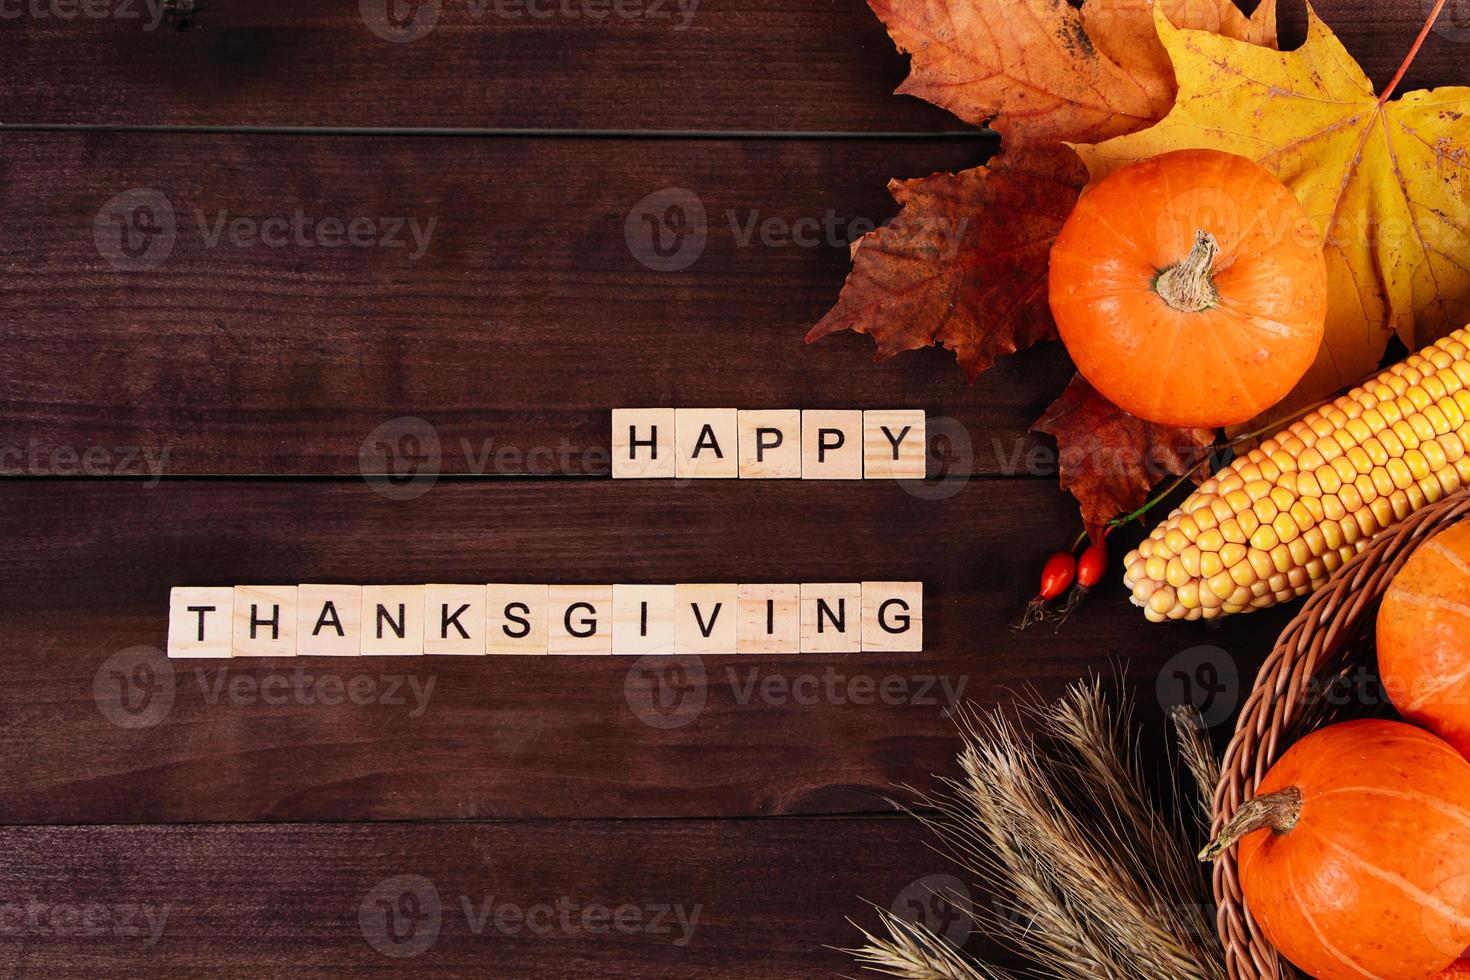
(1094, 878)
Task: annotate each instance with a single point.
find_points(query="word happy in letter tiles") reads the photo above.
(768, 444)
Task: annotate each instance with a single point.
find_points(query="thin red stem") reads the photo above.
(1413, 52)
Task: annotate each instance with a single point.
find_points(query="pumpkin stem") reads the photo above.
(1189, 286)
(1280, 811)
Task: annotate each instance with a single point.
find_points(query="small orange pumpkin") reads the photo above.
(1190, 289)
(1424, 637)
(1355, 853)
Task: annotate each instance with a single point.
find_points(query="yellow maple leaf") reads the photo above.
(1386, 181)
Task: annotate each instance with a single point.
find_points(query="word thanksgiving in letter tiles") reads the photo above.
(769, 444)
(412, 620)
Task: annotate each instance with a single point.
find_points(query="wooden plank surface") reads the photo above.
(695, 898)
(725, 65)
(526, 318)
(99, 731)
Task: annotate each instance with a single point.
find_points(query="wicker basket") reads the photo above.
(1330, 637)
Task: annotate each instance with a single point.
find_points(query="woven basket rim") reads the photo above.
(1325, 636)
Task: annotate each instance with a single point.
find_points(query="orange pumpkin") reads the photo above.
(1424, 637)
(1355, 853)
(1190, 289)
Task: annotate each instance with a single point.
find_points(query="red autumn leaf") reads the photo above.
(1043, 70)
(964, 263)
(1110, 460)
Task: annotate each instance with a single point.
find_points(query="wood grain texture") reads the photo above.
(778, 65)
(758, 898)
(525, 321)
(94, 737)
(767, 65)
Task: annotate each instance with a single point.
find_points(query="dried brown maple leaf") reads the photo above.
(964, 263)
(1108, 459)
(1043, 70)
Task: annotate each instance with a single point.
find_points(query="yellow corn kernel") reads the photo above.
(1280, 520)
(1189, 558)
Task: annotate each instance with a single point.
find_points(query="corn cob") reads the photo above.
(1275, 523)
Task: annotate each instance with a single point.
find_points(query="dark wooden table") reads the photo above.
(199, 407)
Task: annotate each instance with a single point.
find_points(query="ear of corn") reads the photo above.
(1278, 521)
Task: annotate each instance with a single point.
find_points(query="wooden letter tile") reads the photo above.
(831, 445)
(707, 619)
(454, 619)
(200, 621)
(706, 443)
(392, 620)
(770, 444)
(643, 619)
(895, 445)
(265, 621)
(770, 618)
(642, 443)
(580, 619)
(517, 619)
(831, 617)
(329, 620)
(893, 617)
